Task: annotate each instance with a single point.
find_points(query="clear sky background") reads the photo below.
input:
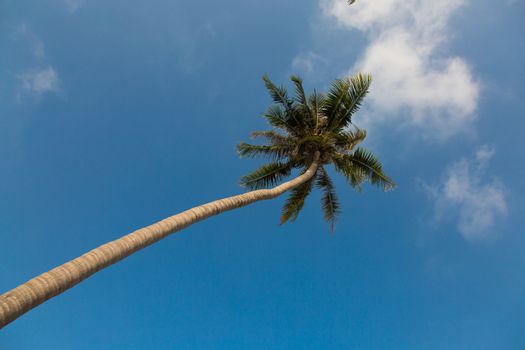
(114, 114)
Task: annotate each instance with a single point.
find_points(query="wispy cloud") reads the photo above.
(478, 204)
(415, 84)
(37, 46)
(306, 62)
(73, 5)
(36, 82)
(39, 79)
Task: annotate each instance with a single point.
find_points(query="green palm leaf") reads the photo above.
(267, 175)
(302, 101)
(329, 201)
(279, 94)
(295, 201)
(362, 165)
(300, 96)
(272, 136)
(293, 115)
(347, 140)
(275, 151)
(335, 100)
(359, 87)
(355, 175)
(356, 89)
(277, 118)
(316, 101)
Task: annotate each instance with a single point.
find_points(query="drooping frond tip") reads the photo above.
(295, 201)
(361, 166)
(329, 202)
(307, 124)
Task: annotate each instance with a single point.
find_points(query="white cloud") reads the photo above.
(413, 82)
(477, 203)
(426, 16)
(37, 82)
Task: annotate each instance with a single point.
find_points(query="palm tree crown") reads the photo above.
(314, 127)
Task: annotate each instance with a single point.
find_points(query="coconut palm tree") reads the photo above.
(309, 133)
(315, 129)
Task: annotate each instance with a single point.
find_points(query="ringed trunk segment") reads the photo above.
(29, 295)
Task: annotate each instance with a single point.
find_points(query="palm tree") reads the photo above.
(309, 133)
(315, 129)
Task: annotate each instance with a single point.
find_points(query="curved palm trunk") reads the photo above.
(27, 296)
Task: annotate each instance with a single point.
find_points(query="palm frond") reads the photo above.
(335, 100)
(356, 89)
(363, 165)
(355, 175)
(295, 119)
(302, 102)
(316, 101)
(279, 94)
(348, 139)
(267, 175)
(275, 151)
(329, 201)
(359, 87)
(295, 201)
(278, 118)
(300, 96)
(272, 136)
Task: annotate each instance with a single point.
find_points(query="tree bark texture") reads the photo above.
(34, 292)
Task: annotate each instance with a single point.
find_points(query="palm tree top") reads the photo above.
(312, 127)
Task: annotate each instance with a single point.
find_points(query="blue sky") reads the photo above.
(114, 114)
